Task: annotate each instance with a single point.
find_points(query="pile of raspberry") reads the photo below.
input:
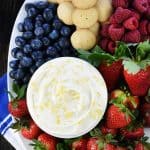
(129, 23)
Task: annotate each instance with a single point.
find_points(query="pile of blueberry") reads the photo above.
(43, 38)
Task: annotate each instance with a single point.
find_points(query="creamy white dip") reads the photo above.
(67, 97)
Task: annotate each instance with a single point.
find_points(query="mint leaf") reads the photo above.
(97, 49)
(142, 50)
(15, 88)
(21, 92)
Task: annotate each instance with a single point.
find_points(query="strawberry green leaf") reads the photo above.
(15, 88)
(21, 92)
(131, 67)
(62, 146)
(96, 133)
(100, 145)
(142, 50)
(122, 50)
(37, 145)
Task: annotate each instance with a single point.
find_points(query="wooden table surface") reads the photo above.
(8, 12)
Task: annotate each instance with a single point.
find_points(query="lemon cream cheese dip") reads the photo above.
(67, 97)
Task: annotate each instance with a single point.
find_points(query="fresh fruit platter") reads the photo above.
(79, 75)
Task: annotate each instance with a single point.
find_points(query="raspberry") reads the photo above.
(145, 37)
(111, 47)
(120, 3)
(148, 28)
(120, 15)
(104, 43)
(143, 28)
(116, 32)
(141, 5)
(135, 14)
(104, 30)
(148, 13)
(131, 23)
(132, 36)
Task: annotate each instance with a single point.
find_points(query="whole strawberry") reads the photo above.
(139, 146)
(30, 131)
(92, 144)
(105, 130)
(18, 108)
(117, 117)
(137, 70)
(45, 142)
(80, 144)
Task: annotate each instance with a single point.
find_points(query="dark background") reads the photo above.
(8, 12)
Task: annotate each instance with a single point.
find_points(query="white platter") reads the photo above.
(23, 143)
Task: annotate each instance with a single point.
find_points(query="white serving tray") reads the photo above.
(23, 143)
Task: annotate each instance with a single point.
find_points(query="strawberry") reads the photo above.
(79, 144)
(31, 131)
(92, 144)
(105, 130)
(131, 23)
(45, 142)
(121, 148)
(137, 70)
(117, 117)
(109, 147)
(132, 134)
(145, 111)
(111, 73)
(116, 93)
(18, 108)
(139, 146)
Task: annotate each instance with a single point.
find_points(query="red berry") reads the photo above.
(104, 43)
(148, 28)
(132, 36)
(141, 5)
(120, 3)
(143, 28)
(131, 23)
(120, 15)
(135, 14)
(79, 144)
(106, 130)
(116, 32)
(104, 30)
(139, 146)
(111, 47)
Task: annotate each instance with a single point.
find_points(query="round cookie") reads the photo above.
(83, 39)
(85, 18)
(105, 9)
(61, 1)
(95, 28)
(84, 4)
(65, 11)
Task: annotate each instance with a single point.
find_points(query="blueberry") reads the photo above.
(65, 52)
(46, 41)
(19, 55)
(20, 27)
(46, 28)
(48, 14)
(39, 18)
(37, 55)
(39, 31)
(39, 63)
(36, 44)
(26, 61)
(14, 64)
(26, 78)
(28, 6)
(18, 82)
(38, 24)
(52, 6)
(57, 24)
(33, 69)
(41, 5)
(20, 41)
(57, 46)
(12, 74)
(65, 31)
(28, 25)
(27, 35)
(32, 12)
(19, 74)
(64, 42)
(52, 51)
(54, 35)
(27, 49)
(14, 51)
